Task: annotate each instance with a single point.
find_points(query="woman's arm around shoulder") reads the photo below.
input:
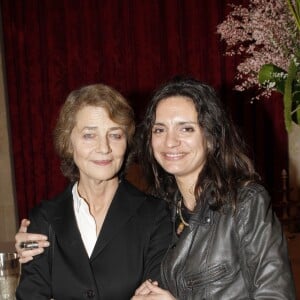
(35, 280)
(26, 255)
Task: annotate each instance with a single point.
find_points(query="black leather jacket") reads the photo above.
(226, 256)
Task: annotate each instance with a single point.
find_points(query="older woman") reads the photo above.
(105, 236)
(227, 244)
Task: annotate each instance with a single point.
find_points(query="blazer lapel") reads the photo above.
(122, 208)
(66, 229)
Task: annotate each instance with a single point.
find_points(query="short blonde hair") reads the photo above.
(98, 95)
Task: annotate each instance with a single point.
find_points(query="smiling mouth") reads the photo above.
(101, 162)
(173, 156)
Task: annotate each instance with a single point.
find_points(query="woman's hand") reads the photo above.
(150, 291)
(26, 255)
(143, 289)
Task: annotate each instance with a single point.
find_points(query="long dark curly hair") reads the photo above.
(227, 166)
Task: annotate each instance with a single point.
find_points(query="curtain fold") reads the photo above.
(54, 46)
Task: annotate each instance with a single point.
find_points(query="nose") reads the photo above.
(103, 146)
(172, 139)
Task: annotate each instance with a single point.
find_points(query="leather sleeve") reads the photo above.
(263, 247)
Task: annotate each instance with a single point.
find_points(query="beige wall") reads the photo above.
(8, 215)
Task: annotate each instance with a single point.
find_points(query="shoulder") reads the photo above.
(140, 197)
(49, 206)
(130, 189)
(149, 209)
(252, 194)
(253, 205)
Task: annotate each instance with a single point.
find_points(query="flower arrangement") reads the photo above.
(267, 35)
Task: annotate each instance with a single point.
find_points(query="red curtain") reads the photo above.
(54, 46)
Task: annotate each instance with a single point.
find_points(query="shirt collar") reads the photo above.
(77, 200)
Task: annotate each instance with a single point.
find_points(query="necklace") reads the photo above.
(179, 211)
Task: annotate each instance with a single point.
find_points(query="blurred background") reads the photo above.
(50, 47)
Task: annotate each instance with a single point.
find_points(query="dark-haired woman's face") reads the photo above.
(177, 139)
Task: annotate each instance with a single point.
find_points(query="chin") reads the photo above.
(104, 177)
(173, 171)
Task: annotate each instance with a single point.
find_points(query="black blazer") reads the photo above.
(133, 240)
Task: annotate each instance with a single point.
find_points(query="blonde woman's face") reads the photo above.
(177, 139)
(98, 144)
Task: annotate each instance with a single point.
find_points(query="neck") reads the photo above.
(98, 194)
(186, 189)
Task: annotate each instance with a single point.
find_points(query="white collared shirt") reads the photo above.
(85, 221)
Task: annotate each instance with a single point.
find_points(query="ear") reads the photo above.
(70, 149)
(209, 145)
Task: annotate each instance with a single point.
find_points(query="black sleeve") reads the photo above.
(35, 280)
(159, 242)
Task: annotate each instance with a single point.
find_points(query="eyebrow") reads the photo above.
(117, 128)
(89, 127)
(110, 129)
(178, 123)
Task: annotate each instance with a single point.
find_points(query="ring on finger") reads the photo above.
(29, 245)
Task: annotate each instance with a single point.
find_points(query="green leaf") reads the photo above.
(288, 94)
(271, 75)
(284, 82)
(296, 104)
(296, 115)
(295, 10)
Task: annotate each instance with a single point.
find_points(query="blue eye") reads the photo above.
(115, 136)
(88, 136)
